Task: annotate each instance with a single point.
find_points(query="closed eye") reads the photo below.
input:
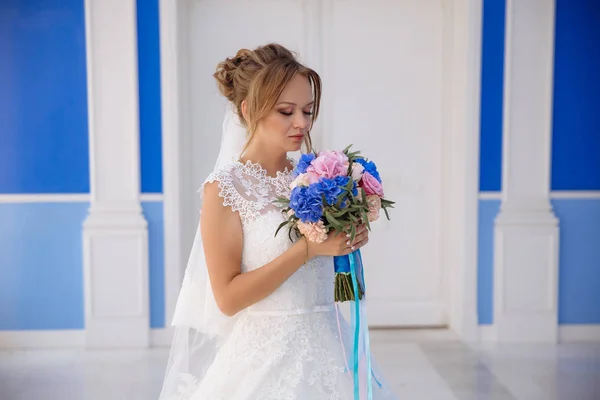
(289, 114)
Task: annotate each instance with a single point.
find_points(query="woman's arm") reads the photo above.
(222, 239)
(223, 242)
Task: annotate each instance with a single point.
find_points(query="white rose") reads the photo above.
(357, 170)
(301, 180)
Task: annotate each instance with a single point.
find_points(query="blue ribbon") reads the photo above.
(353, 264)
(356, 325)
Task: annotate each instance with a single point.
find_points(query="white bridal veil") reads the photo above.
(199, 326)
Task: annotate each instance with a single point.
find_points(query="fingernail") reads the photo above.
(352, 248)
(348, 243)
(348, 235)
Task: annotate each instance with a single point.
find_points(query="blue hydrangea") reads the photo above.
(329, 188)
(304, 163)
(370, 167)
(307, 205)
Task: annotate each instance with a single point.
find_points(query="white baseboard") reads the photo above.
(161, 337)
(487, 333)
(37, 339)
(42, 339)
(579, 333)
(566, 333)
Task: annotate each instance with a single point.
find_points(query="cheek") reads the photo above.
(277, 124)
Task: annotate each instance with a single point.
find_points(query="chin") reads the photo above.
(296, 147)
(291, 147)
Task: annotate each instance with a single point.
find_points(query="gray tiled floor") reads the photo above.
(418, 366)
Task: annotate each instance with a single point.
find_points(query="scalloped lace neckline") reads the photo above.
(259, 171)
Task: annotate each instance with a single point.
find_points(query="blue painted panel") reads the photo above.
(576, 120)
(149, 88)
(488, 209)
(492, 70)
(579, 274)
(41, 273)
(43, 104)
(153, 211)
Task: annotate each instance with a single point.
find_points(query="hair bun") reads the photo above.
(226, 71)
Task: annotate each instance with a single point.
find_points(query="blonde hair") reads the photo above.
(259, 76)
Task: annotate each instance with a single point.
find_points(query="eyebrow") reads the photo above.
(294, 104)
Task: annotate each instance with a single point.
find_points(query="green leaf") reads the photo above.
(347, 148)
(334, 222)
(352, 232)
(386, 214)
(340, 213)
(281, 226)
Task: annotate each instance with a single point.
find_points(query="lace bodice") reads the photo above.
(292, 345)
(249, 191)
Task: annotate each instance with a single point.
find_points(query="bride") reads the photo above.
(256, 318)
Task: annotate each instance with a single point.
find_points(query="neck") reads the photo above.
(271, 161)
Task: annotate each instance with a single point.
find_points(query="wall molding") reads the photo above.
(575, 195)
(554, 195)
(45, 198)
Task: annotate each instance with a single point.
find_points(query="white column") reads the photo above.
(526, 231)
(115, 232)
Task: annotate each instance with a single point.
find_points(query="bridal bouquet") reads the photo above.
(333, 192)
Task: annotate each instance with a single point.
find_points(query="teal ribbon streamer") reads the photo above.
(359, 321)
(356, 324)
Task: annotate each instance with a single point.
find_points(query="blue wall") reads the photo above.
(579, 274)
(492, 70)
(44, 136)
(150, 110)
(576, 122)
(575, 156)
(43, 115)
(41, 278)
(43, 100)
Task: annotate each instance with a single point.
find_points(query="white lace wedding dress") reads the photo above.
(293, 344)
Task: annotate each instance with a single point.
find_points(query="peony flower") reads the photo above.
(371, 185)
(328, 164)
(374, 203)
(315, 232)
(301, 180)
(357, 171)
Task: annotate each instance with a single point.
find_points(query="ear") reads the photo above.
(245, 110)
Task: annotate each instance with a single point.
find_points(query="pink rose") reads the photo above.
(328, 164)
(374, 203)
(371, 185)
(315, 232)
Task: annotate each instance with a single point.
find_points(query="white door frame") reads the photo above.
(462, 59)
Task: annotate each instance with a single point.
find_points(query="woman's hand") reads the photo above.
(339, 244)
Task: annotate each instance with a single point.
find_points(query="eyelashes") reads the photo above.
(289, 114)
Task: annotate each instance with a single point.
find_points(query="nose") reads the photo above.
(301, 121)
